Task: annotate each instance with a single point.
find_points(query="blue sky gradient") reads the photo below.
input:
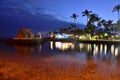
(48, 15)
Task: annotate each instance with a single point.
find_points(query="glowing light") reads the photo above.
(89, 47)
(59, 36)
(63, 46)
(95, 49)
(105, 34)
(76, 36)
(81, 46)
(58, 45)
(51, 35)
(51, 45)
(116, 52)
(101, 48)
(112, 49)
(72, 46)
(105, 49)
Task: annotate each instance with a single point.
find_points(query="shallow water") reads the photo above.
(68, 58)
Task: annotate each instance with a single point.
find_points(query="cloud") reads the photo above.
(15, 14)
(10, 24)
(16, 6)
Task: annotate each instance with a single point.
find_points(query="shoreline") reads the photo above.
(100, 41)
(33, 42)
(88, 41)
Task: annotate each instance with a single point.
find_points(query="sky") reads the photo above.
(49, 15)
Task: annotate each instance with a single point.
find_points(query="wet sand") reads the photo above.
(56, 68)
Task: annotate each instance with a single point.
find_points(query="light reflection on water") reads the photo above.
(88, 51)
(95, 49)
(76, 50)
(64, 46)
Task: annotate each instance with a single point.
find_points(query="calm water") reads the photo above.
(65, 51)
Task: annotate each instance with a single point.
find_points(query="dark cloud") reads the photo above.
(15, 14)
(18, 5)
(10, 24)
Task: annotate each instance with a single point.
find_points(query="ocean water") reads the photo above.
(75, 51)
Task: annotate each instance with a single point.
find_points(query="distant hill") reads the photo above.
(10, 24)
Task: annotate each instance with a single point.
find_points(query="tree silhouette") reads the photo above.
(93, 18)
(109, 25)
(117, 8)
(63, 30)
(86, 13)
(74, 16)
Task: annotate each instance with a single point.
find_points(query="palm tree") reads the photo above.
(117, 8)
(109, 23)
(86, 13)
(74, 16)
(62, 30)
(91, 23)
(99, 24)
(94, 17)
(102, 22)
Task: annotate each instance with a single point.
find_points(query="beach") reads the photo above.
(56, 68)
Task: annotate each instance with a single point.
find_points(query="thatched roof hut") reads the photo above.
(24, 33)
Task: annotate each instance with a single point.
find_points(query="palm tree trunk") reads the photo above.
(87, 19)
(75, 22)
(118, 15)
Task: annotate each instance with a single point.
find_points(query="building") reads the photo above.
(24, 33)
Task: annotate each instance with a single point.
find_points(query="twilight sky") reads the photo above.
(48, 15)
